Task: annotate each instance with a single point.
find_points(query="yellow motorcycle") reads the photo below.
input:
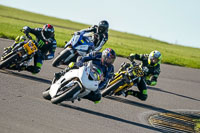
(19, 56)
(123, 80)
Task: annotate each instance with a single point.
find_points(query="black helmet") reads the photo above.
(108, 56)
(47, 31)
(103, 26)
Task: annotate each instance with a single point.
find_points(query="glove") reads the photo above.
(26, 29)
(79, 64)
(131, 57)
(79, 32)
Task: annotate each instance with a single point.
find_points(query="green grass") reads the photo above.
(12, 20)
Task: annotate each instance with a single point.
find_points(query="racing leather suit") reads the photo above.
(44, 45)
(151, 74)
(99, 39)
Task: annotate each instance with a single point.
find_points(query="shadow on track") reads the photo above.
(26, 76)
(158, 89)
(109, 116)
(126, 101)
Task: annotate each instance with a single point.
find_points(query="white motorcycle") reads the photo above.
(74, 84)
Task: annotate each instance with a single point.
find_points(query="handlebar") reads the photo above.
(29, 36)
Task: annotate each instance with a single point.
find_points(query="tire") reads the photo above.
(7, 62)
(64, 54)
(110, 89)
(66, 95)
(46, 94)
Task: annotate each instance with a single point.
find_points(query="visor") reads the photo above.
(109, 60)
(50, 30)
(101, 29)
(154, 60)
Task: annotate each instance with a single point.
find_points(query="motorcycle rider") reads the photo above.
(104, 60)
(99, 34)
(46, 43)
(151, 67)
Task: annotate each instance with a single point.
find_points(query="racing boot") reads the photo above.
(96, 102)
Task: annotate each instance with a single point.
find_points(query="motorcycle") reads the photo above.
(74, 84)
(123, 80)
(19, 56)
(79, 45)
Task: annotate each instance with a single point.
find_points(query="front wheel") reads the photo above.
(112, 88)
(7, 62)
(68, 94)
(61, 57)
(46, 94)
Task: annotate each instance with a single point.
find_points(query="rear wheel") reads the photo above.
(67, 94)
(112, 88)
(62, 56)
(7, 62)
(46, 94)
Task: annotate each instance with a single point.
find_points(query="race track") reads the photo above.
(23, 110)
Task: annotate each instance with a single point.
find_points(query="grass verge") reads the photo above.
(12, 20)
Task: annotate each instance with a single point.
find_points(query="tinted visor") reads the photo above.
(48, 34)
(101, 29)
(154, 60)
(109, 60)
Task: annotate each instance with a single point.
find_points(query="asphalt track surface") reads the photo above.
(23, 110)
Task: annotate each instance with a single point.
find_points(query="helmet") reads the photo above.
(47, 31)
(154, 58)
(108, 56)
(103, 26)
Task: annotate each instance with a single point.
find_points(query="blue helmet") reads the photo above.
(108, 56)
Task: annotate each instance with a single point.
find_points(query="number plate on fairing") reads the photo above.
(30, 47)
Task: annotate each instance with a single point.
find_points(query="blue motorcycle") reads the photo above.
(79, 45)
